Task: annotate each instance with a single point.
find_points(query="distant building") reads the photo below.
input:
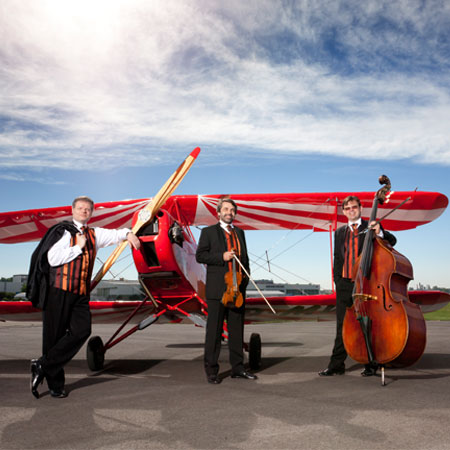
(271, 289)
(106, 289)
(117, 290)
(132, 290)
(14, 285)
(127, 289)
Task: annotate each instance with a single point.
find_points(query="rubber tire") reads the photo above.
(95, 354)
(254, 351)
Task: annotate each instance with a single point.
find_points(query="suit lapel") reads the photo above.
(362, 227)
(221, 239)
(341, 243)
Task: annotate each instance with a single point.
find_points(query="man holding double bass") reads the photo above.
(348, 243)
(217, 246)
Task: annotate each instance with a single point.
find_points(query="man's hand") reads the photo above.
(376, 227)
(228, 256)
(133, 241)
(80, 240)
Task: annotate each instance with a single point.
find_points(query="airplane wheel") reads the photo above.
(95, 354)
(254, 351)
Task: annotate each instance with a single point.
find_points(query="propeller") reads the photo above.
(148, 212)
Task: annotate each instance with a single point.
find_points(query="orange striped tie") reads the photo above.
(351, 252)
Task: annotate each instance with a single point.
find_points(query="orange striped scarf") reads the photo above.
(75, 276)
(350, 251)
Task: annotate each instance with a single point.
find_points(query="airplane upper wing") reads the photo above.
(316, 211)
(32, 224)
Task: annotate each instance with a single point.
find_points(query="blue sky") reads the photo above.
(106, 98)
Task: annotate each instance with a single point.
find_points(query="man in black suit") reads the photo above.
(216, 248)
(59, 284)
(348, 244)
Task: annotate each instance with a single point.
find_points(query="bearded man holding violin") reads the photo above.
(217, 247)
(348, 243)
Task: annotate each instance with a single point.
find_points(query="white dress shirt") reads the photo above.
(225, 226)
(380, 234)
(358, 222)
(62, 253)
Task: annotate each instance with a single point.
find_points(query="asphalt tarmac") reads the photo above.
(152, 394)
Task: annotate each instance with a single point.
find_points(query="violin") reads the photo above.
(233, 279)
(383, 326)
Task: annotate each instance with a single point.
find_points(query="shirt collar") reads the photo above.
(225, 225)
(359, 221)
(79, 225)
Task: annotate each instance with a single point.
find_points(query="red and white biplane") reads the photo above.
(172, 279)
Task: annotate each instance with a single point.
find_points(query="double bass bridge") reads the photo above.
(364, 297)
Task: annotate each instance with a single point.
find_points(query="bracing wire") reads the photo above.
(276, 243)
(278, 267)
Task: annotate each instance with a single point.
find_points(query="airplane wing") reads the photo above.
(32, 224)
(109, 312)
(322, 307)
(318, 212)
(288, 308)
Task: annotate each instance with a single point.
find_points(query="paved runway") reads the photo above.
(153, 394)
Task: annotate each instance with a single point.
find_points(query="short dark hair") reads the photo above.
(225, 200)
(83, 198)
(351, 198)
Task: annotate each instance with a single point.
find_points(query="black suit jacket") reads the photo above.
(211, 247)
(39, 273)
(339, 241)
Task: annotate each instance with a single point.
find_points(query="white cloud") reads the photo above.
(123, 77)
(15, 176)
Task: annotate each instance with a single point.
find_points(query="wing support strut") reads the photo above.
(167, 309)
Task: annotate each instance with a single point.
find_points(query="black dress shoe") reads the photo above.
(330, 372)
(37, 376)
(369, 371)
(244, 374)
(213, 379)
(58, 393)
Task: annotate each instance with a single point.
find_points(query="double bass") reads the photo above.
(383, 327)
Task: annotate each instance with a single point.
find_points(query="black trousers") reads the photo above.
(66, 327)
(344, 299)
(217, 312)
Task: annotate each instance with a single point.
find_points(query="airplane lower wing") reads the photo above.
(288, 308)
(322, 307)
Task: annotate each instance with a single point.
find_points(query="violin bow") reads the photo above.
(371, 227)
(254, 284)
